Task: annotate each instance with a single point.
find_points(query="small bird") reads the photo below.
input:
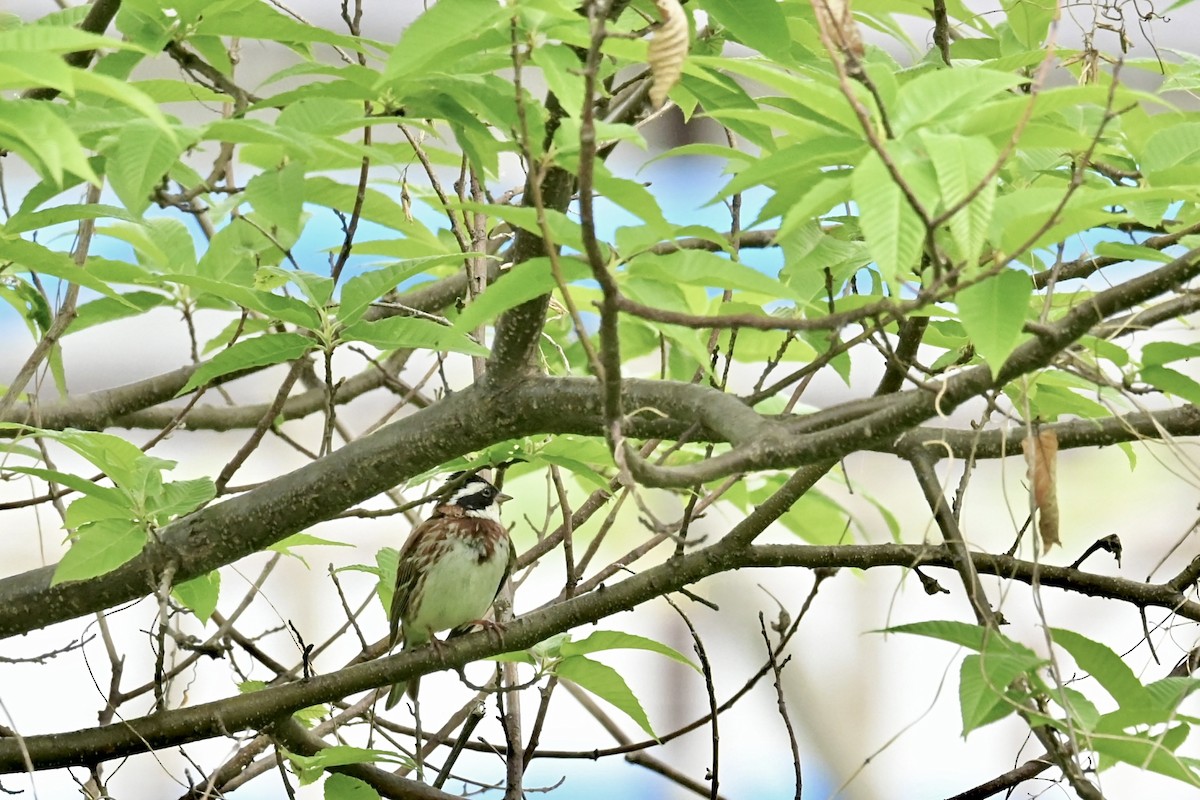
(450, 570)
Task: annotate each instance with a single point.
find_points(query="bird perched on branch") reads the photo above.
(450, 570)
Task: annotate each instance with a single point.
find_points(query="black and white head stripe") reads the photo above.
(475, 494)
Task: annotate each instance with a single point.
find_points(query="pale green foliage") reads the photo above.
(973, 195)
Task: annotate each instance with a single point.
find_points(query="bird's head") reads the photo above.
(477, 497)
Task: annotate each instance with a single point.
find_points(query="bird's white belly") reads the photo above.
(458, 588)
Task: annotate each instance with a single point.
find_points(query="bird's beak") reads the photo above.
(501, 498)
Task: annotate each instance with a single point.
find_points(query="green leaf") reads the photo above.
(272, 348)
(1151, 751)
(1158, 353)
(961, 164)
(278, 195)
(891, 227)
(1030, 19)
(288, 309)
(709, 270)
(56, 39)
(116, 457)
(993, 312)
(1083, 712)
(561, 70)
(616, 640)
(345, 787)
(309, 768)
(285, 546)
(443, 25)
(27, 70)
(409, 332)
(1168, 380)
(983, 681)
(99, 548)
(114, 496)
(607, 684)
(1104, 665)
(200, 594)
(108, 309)
(181, 497)
(756, 23)
(33, 257)
(973, 637)
(1131, 252)
(144, 153)
(367, 287)
(93, 508)
(937, 95)
(523, 282)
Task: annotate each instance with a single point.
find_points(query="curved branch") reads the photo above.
(907, 409)
(260, 709)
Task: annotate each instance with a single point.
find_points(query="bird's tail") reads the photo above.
(409, 687)
(398, 691)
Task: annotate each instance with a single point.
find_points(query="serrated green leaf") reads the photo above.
(756, 23)
(1030, 19)
(117, 458)
(288, 309)
(200, 594)
(278, 195)
(309, 768)
(1104, 665)
(1084, 715)
(961, 164)
(1159, 353)
(410, 332)
(972, 637)
(1131, 252)
(367, 287)
(616, 640)
(144, 153)
(56, 39)
(983, 683)
(28, 70)
(993, 312)
(442, 26)
(891, 227)
(107, 309)
(562, 72)
(93, 508)
(71, 481)
(262, 351)
(180, 497)
(1168, 380)
(607, 684)
(346, 787)
(937, 95)
(100, 548)
(523, 282)
(1150, 751)
(33, 257)
(710, 271)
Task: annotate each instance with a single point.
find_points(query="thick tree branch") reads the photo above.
(99, 15)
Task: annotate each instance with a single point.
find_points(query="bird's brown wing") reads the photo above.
(508, 568)
(406, 579)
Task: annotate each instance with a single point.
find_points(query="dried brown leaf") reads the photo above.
(1041, 458)
(668, 49)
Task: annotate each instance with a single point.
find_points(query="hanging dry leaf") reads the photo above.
(1041, 458)
(668, 49)
(837, 23)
